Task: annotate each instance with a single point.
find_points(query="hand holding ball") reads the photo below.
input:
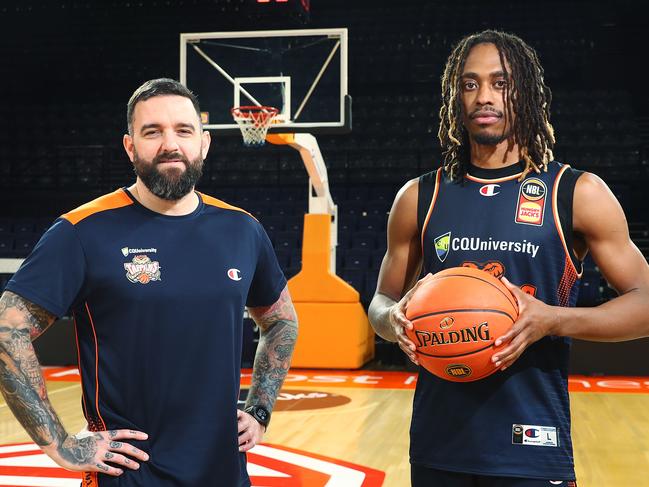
(457, 316)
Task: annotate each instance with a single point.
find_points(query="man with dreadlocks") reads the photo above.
(500, 202)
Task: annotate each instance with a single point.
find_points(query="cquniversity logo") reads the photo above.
(442, 245)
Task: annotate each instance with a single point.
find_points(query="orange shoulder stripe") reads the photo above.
(110, 201)
(208, 200)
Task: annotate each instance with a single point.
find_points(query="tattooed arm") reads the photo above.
(278, 324)
(23, 387)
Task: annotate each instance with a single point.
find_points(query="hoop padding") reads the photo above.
(254, 122)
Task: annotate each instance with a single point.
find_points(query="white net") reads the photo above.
(254, 122)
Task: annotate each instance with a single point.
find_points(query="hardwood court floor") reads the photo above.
(362, 417)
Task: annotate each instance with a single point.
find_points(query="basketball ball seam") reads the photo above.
(467, 310)
(458, 355)
(513, 303)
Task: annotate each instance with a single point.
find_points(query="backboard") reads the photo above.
(302, 72)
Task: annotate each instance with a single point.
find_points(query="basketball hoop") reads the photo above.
(254, 122)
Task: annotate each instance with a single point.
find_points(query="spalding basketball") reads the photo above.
(457, 316)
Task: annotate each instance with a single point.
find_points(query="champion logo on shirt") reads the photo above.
(490, 190)
(234, 274)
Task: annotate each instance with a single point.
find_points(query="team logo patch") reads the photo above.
(490, 190)
(531, 202)
(442, 245)
(26, 465)
(142, 269)
(234, 274)
(533, 435)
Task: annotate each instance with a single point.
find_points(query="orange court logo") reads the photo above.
(531, 202)
(302, 400)
(142, 269)
(25, 464)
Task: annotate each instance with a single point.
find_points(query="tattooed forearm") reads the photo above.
(21, 313)
(30, 406)
(278, 324)
(21, 380)
(272, 362)
(20, 323)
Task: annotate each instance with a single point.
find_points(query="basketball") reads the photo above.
(457, 316)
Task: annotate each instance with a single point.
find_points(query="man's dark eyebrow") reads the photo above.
(156, 125)
(147, 126)
(495, 74)
(185, 125)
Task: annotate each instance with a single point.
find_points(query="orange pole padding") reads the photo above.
(315, 283)
(280, 139)
(332, 336)
(334, 331)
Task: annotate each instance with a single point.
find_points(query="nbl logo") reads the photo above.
(531, 202)
(458, 370)
(533, 189)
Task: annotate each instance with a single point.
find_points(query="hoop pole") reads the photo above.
(317, 80)
(225, 74)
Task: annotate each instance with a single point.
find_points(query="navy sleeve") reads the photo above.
(54, 272)
(268, 281)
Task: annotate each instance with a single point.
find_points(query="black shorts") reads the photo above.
(430, 477)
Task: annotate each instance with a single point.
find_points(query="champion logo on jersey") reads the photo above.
(234, 274)
(490, 190)
(535, 435)
(532, 433)
(442, 246)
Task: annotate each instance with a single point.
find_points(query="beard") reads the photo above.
(172, 184)
(490, 139)
(485, 138)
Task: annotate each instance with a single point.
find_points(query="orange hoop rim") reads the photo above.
(248, 111)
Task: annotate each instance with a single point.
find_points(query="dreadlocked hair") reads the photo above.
(530, 102)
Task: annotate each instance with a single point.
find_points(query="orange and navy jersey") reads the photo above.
(513, 423)
(158, 303)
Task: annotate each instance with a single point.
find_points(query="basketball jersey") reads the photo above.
(158, 304)
(517, 422)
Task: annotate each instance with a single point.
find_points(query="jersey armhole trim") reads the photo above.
(430, 211)
(557, 221)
